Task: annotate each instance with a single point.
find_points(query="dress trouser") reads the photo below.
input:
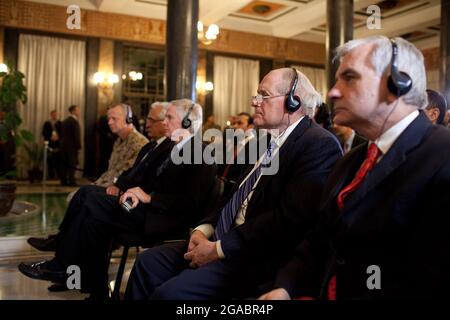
(161, 273)
(77, 202)
(87, 241)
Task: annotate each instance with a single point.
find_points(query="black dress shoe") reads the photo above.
(58, 287)
(44, 244)
(43, 270)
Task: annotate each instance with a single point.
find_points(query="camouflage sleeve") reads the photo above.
(122, 157)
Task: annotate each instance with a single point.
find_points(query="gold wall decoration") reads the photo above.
(52, 18)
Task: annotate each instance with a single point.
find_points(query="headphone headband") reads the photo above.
(399, 83)
(186, 122)
(293, 102)
(129, 115)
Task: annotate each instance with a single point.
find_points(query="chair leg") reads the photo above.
(123, 261)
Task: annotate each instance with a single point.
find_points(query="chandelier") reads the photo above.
(208, 36)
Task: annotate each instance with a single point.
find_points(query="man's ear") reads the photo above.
(433, 114)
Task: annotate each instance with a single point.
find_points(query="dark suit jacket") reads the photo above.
(143, 173)
(398, 220)
(357, 140)
(179, 193)
(283, 206)
(70, 136)
(47, 130)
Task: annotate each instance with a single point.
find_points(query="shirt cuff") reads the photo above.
(207, 229)
(219, 250)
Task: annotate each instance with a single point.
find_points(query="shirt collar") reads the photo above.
(387, 139)
(180, 144)
(280, 139)
(160, 140)
(349, 141)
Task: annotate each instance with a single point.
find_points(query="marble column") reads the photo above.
(445, 49)
(181, 49)
(339, 31)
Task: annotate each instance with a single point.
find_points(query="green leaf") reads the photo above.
(27, 135)
(17, 140)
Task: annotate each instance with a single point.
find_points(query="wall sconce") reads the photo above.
(105, 80)
(204, 87)
(134, 76)
(209, 36)
(105, 83)
(3, 68)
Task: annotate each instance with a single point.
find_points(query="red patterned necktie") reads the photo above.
(373, 154)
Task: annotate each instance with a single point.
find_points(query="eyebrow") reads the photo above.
(347, 72)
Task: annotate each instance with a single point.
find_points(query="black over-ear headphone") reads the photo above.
(129, 117)
(186, 122)
(293, 102)
(399, 83)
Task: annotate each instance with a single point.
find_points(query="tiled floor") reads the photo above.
(14, 249)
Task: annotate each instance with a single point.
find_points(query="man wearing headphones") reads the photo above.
(127, 145)
(126, 148)
(167, 206)
(240, 245)
(383, 232)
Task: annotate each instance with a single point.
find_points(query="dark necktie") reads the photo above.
(137, 167)
(371, 159)
(231, 209)
(373, 153)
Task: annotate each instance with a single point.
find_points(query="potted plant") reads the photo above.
(12, 91)
(35, 156)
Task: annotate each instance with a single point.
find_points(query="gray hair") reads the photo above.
(309, 96)
(410, 60)
(162, 114)
(125, 108)
(196, 115)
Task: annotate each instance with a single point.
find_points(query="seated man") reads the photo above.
(236, 150)
(348, 138)
(126, 147)
(437, 107)
(383, 232)
(125, 150)
(169, 205)
(266, 216)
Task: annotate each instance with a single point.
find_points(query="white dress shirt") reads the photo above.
(208, 229)
(387, 139)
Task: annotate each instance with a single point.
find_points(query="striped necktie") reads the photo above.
(229, 212)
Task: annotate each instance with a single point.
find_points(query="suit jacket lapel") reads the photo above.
(284, 154)
(344, 172)
(158, 150)
(407, 141)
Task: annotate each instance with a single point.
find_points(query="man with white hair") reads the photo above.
(383, 233)
(242, 244)
(122, 173)
(167, 205)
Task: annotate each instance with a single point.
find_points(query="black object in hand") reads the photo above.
(127, 206)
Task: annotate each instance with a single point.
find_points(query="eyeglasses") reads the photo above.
(258, 99)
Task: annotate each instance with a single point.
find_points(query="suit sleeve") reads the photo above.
(124, 181)
(429, 251)
(189, 192)
(77, 135)
(296, 211)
